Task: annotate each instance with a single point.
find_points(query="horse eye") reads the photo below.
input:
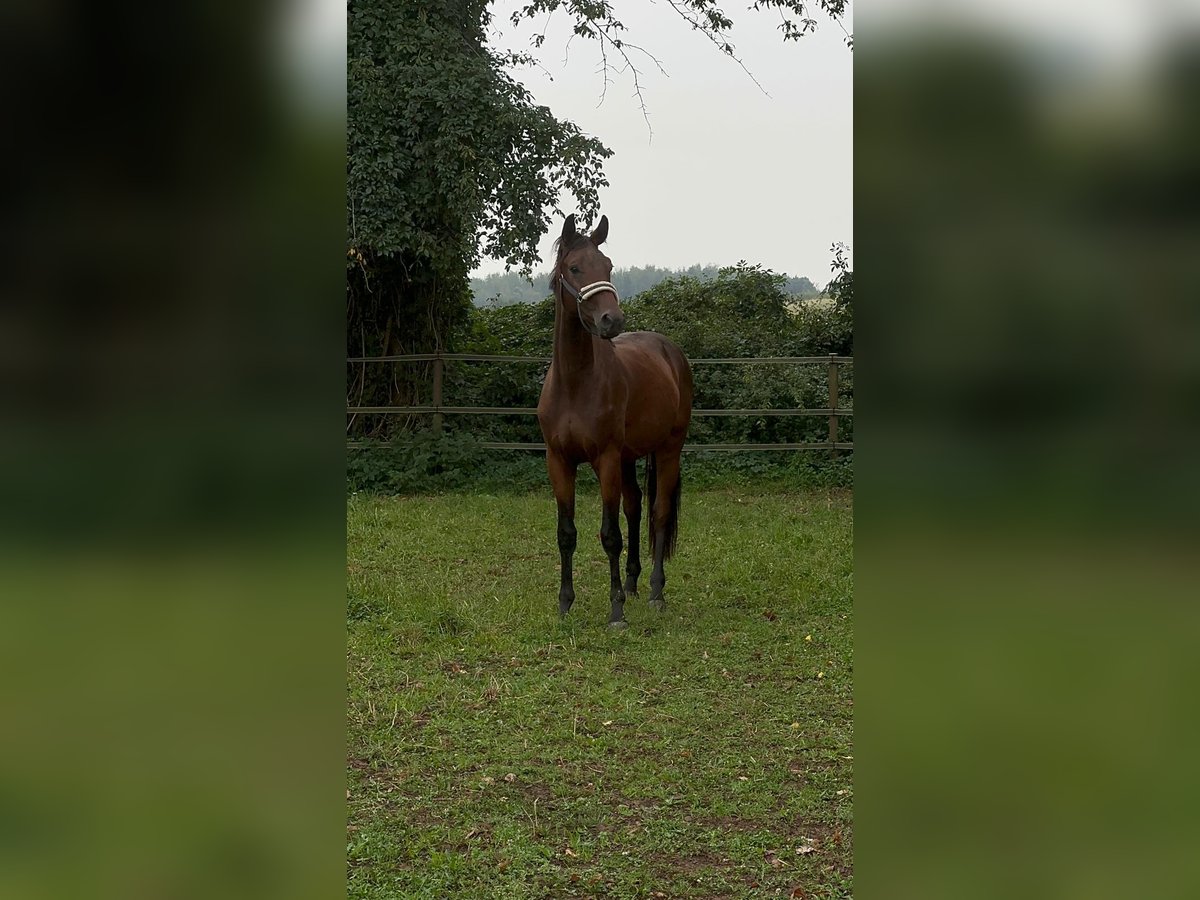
(574, 270)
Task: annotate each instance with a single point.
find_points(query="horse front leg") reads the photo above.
(631, 501)
(609, 471)
(562, 479)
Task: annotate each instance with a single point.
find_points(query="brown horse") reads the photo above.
(609, 399)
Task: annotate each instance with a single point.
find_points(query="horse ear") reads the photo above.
(568, 232)
(600, 235)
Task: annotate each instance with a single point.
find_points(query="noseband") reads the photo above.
(588, 290)
(586, 293)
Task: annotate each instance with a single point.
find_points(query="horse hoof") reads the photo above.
(619, 625)
(658, 603)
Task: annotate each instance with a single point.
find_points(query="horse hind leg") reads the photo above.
(631, 501)
(664, 519)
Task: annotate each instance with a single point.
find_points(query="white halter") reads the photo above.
(585, 293)
(588, 290)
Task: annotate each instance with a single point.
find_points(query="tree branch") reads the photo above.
(716, 32)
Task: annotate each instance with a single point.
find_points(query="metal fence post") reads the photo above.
(437, 392)
(833, 405)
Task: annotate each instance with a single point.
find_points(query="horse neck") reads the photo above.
(574, 348)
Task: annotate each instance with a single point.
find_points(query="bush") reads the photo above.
(744, 312)
(427, 462)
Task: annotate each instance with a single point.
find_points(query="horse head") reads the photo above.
(582, 272)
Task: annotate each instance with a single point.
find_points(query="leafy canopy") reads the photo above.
(448, 156)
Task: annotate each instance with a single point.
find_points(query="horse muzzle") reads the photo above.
(609, 325)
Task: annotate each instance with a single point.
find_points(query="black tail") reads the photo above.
(672, 529)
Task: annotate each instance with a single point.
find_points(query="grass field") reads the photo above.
(497, 752)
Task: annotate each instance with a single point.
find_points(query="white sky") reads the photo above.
(728, 173)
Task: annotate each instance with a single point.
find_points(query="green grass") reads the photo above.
(496, 751)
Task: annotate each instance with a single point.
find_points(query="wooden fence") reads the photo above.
(438, 410)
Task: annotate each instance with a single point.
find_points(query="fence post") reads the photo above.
(437, 392)
(833, 405)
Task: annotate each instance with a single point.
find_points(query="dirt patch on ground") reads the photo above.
(373, 775)
(735, 823)
(480, 835)
(536, 790)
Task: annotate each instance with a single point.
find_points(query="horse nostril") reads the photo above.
(610, 324)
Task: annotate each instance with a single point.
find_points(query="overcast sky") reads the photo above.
(728, 173)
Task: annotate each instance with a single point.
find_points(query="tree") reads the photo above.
(840, 288)
(448, 158)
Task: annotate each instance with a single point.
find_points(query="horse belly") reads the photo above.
(651, 423)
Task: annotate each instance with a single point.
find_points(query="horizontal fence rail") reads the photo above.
(832, 412)
(531, 411)
(504, 357)
(687, 448)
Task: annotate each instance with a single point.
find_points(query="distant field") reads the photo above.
(496, 752)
